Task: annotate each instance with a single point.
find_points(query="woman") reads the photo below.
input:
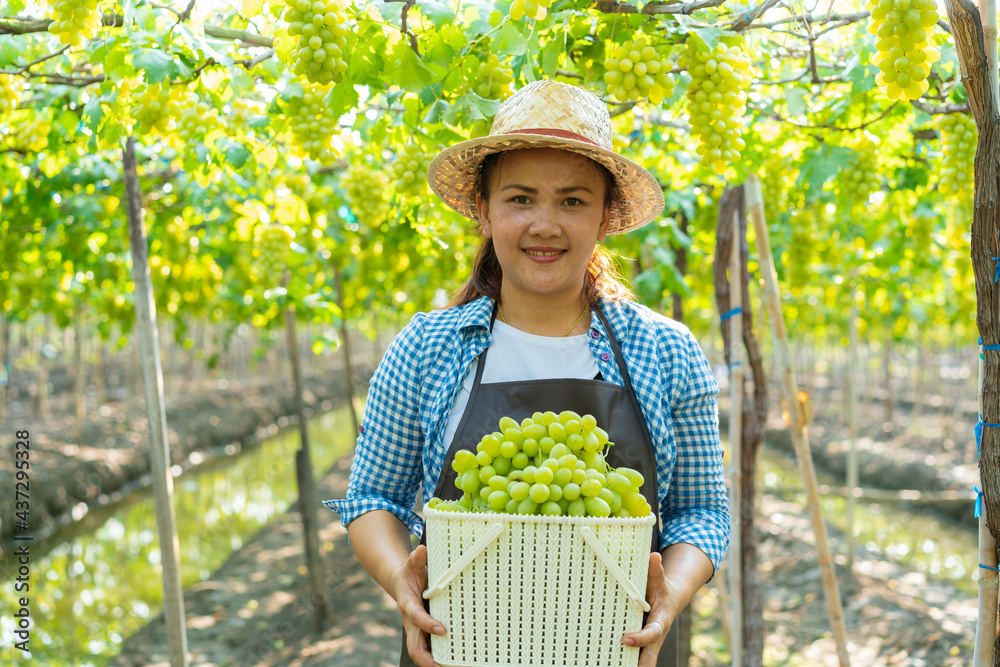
(544, 323)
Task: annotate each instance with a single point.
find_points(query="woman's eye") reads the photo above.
(573, 201)
(520, 199)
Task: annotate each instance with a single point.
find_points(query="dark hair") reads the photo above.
(601, 280)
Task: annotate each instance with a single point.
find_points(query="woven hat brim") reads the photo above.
(453, 172)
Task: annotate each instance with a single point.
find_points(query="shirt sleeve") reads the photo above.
(697, 505)
(388, 467)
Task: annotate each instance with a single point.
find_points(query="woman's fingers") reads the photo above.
(650, 637)
(417, 623)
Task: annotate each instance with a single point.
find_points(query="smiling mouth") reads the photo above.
(539, 253)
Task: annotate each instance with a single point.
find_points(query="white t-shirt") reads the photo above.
(516, 355)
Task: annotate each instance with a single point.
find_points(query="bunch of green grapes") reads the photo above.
(861, 177)
(958, 138)
(313, 124)
(10, 92)
(800, 250)
(921, 227)
(270, 253)
(902, 29)
(493, 79)
(410, 168)
(75, 20)
(321, 28)
(549, 464)
(196, 120)
(716, 100)
(155, 106)
(533, 9)
(366, 194)
(637, 70)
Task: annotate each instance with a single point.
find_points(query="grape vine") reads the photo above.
(321, 29)
(958, 139)
(902, 29)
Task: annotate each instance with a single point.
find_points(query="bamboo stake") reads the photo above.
(852, 421)
(152, 372)
(735, 440)
(799, 429)
(988, 581)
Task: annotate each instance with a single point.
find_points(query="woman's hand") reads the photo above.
(411, 580)
(662, 612)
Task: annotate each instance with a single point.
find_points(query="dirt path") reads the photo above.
(251, 612)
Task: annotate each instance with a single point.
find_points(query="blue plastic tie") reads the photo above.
(996, 270)
(979, 501)
(987, 567)
(988, 347)
(735, 363)
(737, 311)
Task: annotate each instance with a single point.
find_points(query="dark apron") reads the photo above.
(616, 410)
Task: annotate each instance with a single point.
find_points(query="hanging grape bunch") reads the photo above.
(155, 106)
(801, 247)
(312, 123)
(637, 70)
(270, 253)
(533, 9)
(493, 79)
(321, 29)
(410, 168)
(958, 139)
(10, 92)
(196, 119)
(902, 30)
(861, 177)
(549, 464)
(75, 20)
(716, 100)
(366, 194)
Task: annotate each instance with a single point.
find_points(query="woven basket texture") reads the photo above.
(549, 105)
(538, 596)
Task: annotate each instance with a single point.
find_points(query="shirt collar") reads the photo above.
(476, 314)
(616, 318)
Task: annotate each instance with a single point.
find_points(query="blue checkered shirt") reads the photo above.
(400, 447)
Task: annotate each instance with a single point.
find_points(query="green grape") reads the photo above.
(958, 138)
(312, 124)
(637, 70)
(196, 119)
(716, 100)
(155, 107)
(366, 190)
(533, 9)
(800, 251)
(903, 29)
(75, 20)
(321, 29)
(270, 253)
(561, 484)
(862, 176)
(410, 169)
(493, 79)
(10, 92)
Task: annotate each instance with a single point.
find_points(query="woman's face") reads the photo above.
(545, 214)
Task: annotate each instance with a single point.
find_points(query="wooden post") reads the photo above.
(307, 489)
(735, 438)
(986, 619)
(976, 47)
(152, 374)
(80, 382)
(852, 420)
(799, 429)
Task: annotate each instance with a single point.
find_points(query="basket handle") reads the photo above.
(456, 568)
(616, 571)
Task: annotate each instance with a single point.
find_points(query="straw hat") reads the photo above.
(549, 114)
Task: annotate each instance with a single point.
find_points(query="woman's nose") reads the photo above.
(545, 224)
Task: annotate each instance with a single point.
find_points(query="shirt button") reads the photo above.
(361, 429)
(594, 334)
(605, 356)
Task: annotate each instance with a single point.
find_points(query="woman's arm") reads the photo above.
(382, 544)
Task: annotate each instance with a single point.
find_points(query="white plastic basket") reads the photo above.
(536, 591)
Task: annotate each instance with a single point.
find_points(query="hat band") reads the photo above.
(552, 132)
